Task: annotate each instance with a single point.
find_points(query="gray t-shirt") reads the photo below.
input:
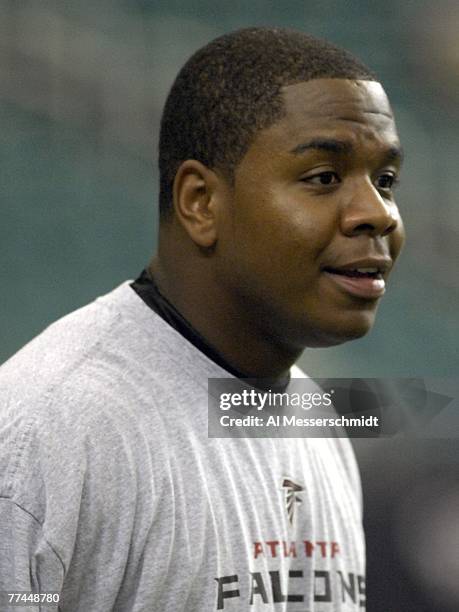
(112, 494)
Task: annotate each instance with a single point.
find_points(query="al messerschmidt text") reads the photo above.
(294, 421)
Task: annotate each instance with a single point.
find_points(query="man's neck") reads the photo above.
(232, 333)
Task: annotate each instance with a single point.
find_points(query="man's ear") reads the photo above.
(196, 201)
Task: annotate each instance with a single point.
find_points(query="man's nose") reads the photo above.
(368, 212)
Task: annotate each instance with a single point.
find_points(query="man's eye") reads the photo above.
(386, 181)
(323, 178)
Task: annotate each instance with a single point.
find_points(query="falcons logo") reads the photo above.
(291, 497)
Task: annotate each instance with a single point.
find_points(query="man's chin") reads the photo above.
(345, 331)
(336, 341)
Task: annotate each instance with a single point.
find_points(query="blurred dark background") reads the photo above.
(82, 89)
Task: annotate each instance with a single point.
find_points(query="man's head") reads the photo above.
(278, 158)
(232, 88)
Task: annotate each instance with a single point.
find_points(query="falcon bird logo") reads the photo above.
(291, 497)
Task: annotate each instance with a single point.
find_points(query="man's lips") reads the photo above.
(363, 278)
(369, 288)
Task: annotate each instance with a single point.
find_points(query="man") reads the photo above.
(278, 157)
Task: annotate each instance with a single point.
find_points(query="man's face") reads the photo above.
(312, 229)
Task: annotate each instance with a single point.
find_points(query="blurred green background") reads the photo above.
(82, 89)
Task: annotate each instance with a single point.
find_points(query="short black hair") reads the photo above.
(230, 89)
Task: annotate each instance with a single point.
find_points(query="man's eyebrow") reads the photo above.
(394, 153)
(323, 144)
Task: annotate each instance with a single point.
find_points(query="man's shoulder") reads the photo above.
(83, 358)
(61, 348)
(100, 354)
(64, 399)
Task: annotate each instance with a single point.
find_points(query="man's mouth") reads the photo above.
(356, 272)
(362, 281)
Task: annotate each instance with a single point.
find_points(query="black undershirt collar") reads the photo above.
(148, 290)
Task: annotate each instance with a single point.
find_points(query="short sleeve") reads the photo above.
(27, 561)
